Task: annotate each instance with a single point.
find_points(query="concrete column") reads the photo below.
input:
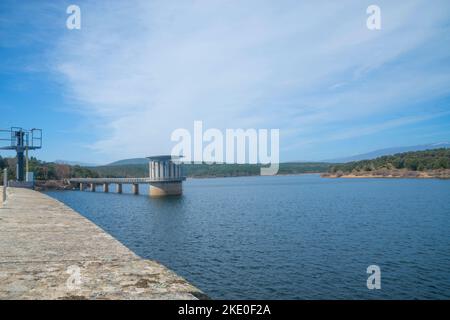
(119, 188)
(156, 170)
(152, 169)
(164, 170)
(92, 187)
(81, 187)
(161, 170)
(135, 188)
(105, 187)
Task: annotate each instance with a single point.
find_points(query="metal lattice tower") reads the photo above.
(21, 141)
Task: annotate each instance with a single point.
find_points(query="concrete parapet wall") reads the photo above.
(21, 184)
(44, 244)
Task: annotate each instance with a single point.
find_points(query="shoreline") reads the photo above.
(257, 175)
(63, 185)
(47, 185)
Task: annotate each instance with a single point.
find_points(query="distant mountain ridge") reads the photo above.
(389, 151)
(365, 156)
(75, 163)
(129, 161)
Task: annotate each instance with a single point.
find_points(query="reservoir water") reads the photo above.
(288, 237)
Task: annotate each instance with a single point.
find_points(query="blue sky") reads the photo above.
(137, 70)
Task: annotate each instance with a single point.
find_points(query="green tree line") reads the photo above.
(54, 171)
(211, 170)
(47, 170)
(415, 161)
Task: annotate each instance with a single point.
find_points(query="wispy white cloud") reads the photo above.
(145, 68)
(368, 129)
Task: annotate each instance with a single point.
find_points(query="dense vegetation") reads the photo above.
(409, 161)
(214, 170)
(54, 171)
(47, 170)
(414, 161)
(121, 171)
(235, 170)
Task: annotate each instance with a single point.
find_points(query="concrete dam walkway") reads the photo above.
(49, 251)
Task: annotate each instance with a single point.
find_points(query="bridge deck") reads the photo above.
(125, 180)
(43, 242)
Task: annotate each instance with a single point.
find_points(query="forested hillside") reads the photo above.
(47, 170)
(428, 163)
(214, 170)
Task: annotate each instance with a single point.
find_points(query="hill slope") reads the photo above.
(421, 164)
(389, 151)
(128, 161)
(214, 170)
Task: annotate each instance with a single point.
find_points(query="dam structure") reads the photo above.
(49, 251)
(165, 178)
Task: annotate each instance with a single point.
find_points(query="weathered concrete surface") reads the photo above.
(161, 189)
(43, 244)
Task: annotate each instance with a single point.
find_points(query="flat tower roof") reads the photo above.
(164, 157)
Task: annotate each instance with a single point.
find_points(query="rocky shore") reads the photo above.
(41, 185)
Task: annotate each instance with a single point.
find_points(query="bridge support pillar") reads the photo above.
(92, 187)
(135, 188)
(105, 187)
(161, 189)
(81, 186)
(119, 188)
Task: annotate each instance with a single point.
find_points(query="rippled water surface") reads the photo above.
(289, 237)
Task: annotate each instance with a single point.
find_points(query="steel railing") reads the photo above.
(5, 184)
